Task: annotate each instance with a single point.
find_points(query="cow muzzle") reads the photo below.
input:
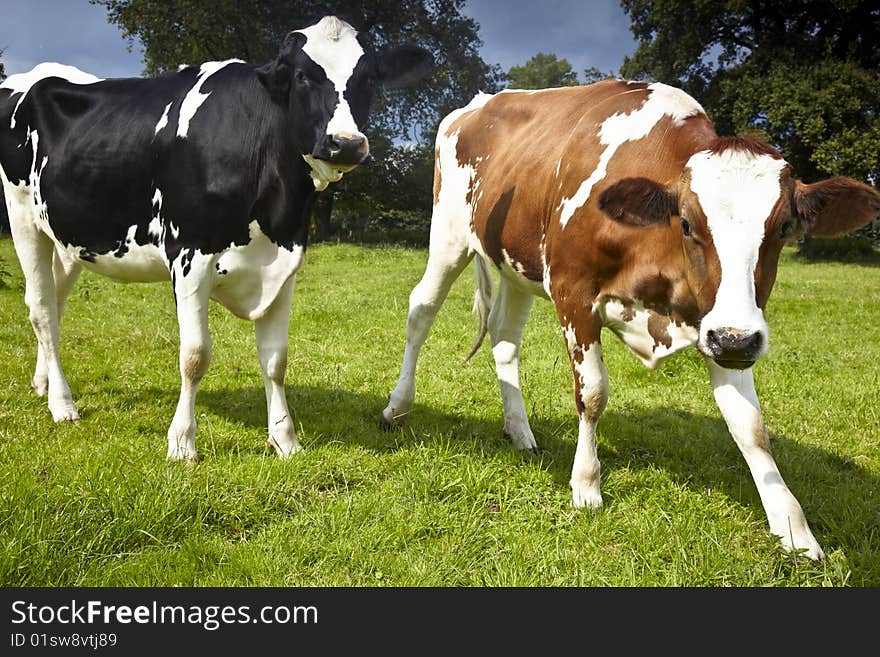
(343, 149)
(732, 348)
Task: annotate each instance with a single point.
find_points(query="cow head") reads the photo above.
(735, 207)
(325, 80)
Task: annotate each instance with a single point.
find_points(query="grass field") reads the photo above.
(446, 500)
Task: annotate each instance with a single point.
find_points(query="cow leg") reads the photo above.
(272, 341)
(65, 272)
(591, 394)
(192, 293)
(506, 323)
(446, 261)
(35, 253)
(736, 398)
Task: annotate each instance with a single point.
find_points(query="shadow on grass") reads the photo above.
(696, 450)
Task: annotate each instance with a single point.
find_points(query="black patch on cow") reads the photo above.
(186, 256)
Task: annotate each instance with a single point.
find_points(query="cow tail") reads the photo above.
(482, 300)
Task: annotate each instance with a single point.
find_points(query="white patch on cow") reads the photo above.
(452, 213)
(140, 263)
(247, 278)
(194, 97)
(154, 229)
(545, 266)
(21, 83)
(163, 120)
(618, 129)
(332, 44)
(629, 322)
(737, 191)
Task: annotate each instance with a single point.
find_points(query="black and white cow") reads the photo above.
(205, 176)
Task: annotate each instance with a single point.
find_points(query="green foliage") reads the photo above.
(542, 71)
(801, 72)
(850, 248)
(446, 500)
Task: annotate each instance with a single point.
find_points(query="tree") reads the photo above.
(542, 71)
(805, 74)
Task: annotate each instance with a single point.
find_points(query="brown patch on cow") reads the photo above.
(494, 226)
(746, 144)
(658, 329)
(627, 314)
(761, 438)
(438, 180)
(195, 363)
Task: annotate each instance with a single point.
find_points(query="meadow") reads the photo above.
(445, 500)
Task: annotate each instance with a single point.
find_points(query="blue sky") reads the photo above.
(587, 33)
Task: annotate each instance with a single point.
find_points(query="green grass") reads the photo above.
(446, 500)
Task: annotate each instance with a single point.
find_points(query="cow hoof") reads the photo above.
(805, 548)
(65, 413)
(292, 447)
(388, 420)
(523, 442)
(182, 454)
(584, 496)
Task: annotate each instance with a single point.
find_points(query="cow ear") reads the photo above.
(639, 202)
(275, 75)
(835, 206)
(403, 66)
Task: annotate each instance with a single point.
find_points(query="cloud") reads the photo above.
(75, 33)
(585, 33)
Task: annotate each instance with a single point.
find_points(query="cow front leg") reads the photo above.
(272, 343)
(590, 394)
(192, 293)
(736, 398)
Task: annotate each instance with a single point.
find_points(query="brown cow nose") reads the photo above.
(733, 348)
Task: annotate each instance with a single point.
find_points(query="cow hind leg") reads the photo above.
(447, 258)
(192, 293)
(65, 272)
(506, 323)
(35, 252)
(272, 343)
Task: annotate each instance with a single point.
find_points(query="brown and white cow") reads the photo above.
(620, 203)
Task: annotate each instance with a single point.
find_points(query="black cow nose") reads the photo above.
(346, 148)
(734, 348)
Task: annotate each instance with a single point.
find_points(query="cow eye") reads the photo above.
(785, 231)
(685, 227)
(300, 77)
